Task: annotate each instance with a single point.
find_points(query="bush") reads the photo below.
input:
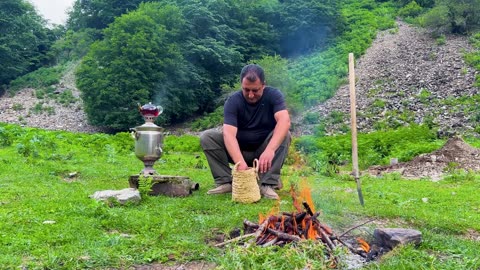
(327, 154)
(412, 9)
(437, 20)
(40, 78)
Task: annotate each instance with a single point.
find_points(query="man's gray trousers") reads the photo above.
(219, 159)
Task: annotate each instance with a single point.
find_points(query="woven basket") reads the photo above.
(245, 187)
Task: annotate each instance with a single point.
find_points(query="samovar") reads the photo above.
(148, 138)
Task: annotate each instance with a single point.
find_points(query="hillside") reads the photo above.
(405, 76)
(23, 109)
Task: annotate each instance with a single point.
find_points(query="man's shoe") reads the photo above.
(268, 192)
(225, 188)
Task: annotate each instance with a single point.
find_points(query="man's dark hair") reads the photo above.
(252, 72)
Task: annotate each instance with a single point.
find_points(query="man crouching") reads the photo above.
(256, 126)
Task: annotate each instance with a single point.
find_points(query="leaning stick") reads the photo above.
(354, 227)
(353, 116)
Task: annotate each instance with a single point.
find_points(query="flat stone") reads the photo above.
(392, 237)
(122, 196)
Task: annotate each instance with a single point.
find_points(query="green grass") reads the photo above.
(35, 184)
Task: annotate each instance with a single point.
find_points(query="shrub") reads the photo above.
(412, 9)
(327, 154)
(436, 19)
(42, 77)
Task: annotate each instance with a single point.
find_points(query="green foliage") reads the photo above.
(473, 58)
(145, 185)
(137, 63)
(319, 22)
(185, 143)
(17, 107)
(424, 95)
(209, 39)
(45, 206)
(440, 40)
(278, 76)
(453, 16)
(311, 118)
(39, 108)
(24, 40)
(66, 97)
(287, 257)
(41, 78)
(210, 120)
(98, 14)
(321, 73)
(421, 3)
(376, 148)
(74, 44)
(379, 103)
(412, 9)
(437, 20)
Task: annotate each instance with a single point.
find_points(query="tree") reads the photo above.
(307, 25)
(24, 40)
(139, 60)
(98, 14)
(456, 16)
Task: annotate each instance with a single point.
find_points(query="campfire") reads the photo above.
(300, 225)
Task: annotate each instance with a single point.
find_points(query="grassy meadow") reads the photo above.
(48, 221)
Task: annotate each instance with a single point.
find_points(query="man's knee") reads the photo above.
(209, 138)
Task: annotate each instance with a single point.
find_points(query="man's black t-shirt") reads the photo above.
(253, 121)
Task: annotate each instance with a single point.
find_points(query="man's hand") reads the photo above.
(242, 166)
(265, 160)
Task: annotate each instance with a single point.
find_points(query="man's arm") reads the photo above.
(231, 143)
(279, 133)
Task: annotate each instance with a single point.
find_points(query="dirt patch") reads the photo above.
(455, 154)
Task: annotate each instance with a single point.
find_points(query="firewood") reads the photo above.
(327, 229)
(271, 242)
(284, 236)
(250, 226)
(307, 227)
(326, 239)
(358, 252)
(236, 239)
(307, 207)
(299, 217)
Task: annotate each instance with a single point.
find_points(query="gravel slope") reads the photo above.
(405, 73)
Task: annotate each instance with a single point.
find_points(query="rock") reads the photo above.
(392, 237)
(122, 196)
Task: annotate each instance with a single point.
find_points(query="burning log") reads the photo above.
(307, 207)
(292, 227)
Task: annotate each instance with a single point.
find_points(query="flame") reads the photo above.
(306, 194)
(261, 218)
(273, 212)
(312, 232)
(295, 202)
(363, 244)
(272, 220)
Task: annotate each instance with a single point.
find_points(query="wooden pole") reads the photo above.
(353, 118)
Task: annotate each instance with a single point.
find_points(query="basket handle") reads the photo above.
(255, 165)
(235, 166)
